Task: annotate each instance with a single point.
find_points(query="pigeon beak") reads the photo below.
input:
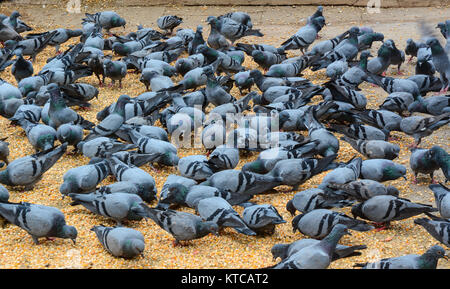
(74, 241)
(348, 233)
(404, 177)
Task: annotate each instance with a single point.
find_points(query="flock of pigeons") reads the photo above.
(126, 138)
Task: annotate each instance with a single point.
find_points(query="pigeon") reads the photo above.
(305, 36)
(214, 92)
(60, 114)
(262, 218)
(133, 158)
(223, 157)
(182, 226)
(328, 143)
(61, 36)
(328, 45)
(116, 70)
(218, 210)
(70, 133)
(233, 30)
(42, 137)
(434, 105)
(438, 228)
(397, 56)
(284, 251)
(38, 220)
(4, 150)
(143, 180)
(240, 17)
(398, 102)
(114, 120)
(420, 127)
(84, 179)
(422, 161)
(120, 242)
(441, 61)
(242, 182)
(28, 170)
(195, 167)
(412, 48)
(311, 199)
(318, 223)
(317, 256)
(294, 172)
(362, 190)
(106, 20)
(117, 206)
(442, 198)
(379, 64)
(169, 22)
(8, 33)
(179, 194)
(216, 40)
(165, 153)
(366, 40)
(32, 47)
(428, 260)
(22, 68)
(196, 41)
(374, 149)
(184, 65)
(382, 170)
(443, 160)
(172, 179)
(385, 120)
(384, 209)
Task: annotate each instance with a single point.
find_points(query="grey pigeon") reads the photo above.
(60, 114)
(434, 105)
(441, 61)
(262, 218)
(116, 70)
(319, 223)
(437, 227)
(120, 242)
(84, 178)
(294, 172)
(117, 206)
(70, 133)
(317, 256)
(384, 209)
(423, 161)
(382, 170)
(106, 19)
(102, 147)
(218, 210)
(173, 179)
(233, 30)
(374, 149)
(348, 172)
(42, 137)
(283, 251)
(38, 220)
(144, 181)
(182, 226)
(443, 159)
(4, 150)
(442, 199)
(224, 157)
(195, 167)
(428, 260)
(363, 190)
(398, 102)
(242, 182)
(215, 39)
(61, 36)
(379, 64)
(22, 68)
(305, 36)
(420, 127)
(169, 22)
(27, 171)
(311, 199)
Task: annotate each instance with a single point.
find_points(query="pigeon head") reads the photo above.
(417, 106)
(354, 31)
(392, 152)
(365, 54)
(357, 211)
(295, 222)
(211, 19)
(435, 45)
(208, 227)
(118, 21)
(80, 145)
(279, 251)
(133, 247)
(69, 232)
(290, 207)
(392, 191)
(67, 188)
(319, 22)
(176, 194)
(431, 256)
(170, 159)
(394, 171)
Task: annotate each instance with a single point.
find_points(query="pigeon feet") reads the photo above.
(414, 181)
(380, 226)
